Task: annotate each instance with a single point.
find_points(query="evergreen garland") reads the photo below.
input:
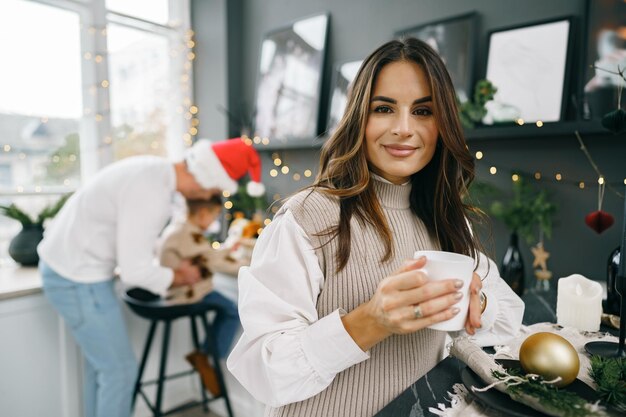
(560, 402)
(610, 375)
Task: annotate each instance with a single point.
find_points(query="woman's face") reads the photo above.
(401, 133)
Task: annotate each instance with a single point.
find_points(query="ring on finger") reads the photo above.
(417, 312)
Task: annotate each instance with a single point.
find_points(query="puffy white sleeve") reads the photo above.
(287, 353)
(502, 318)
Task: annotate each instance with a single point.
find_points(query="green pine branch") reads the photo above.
(13, 212)
(610, 375)
(558, 401)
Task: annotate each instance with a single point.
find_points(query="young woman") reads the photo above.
(334, 310)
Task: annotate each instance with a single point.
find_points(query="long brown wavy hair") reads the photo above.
(437, 189)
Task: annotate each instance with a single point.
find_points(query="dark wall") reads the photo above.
(358, 26)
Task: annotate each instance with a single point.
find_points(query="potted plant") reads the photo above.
(524, 212)
(23, 247)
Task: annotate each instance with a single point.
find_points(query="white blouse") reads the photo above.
(280, 357)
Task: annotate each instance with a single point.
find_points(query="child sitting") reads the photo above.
(186, 240)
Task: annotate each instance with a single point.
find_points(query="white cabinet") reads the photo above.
(39, 362)
(41, 366)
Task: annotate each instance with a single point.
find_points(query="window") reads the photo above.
(86, 83)
(41, 100)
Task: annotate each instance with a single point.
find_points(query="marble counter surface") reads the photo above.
(17, 281)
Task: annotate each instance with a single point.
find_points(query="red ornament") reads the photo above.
(599, 221)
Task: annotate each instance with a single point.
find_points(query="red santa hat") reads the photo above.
(221, 164)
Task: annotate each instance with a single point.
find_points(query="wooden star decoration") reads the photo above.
(541, 256)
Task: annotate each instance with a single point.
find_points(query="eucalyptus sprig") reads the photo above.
(525, 210)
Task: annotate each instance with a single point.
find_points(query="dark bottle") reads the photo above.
(612, 297)
(512, 269)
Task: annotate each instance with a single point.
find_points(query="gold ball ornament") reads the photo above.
(550, 355)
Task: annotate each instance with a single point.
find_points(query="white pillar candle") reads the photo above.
(579, 303)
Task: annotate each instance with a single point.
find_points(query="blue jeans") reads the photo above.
(225, 324)
(94, 315)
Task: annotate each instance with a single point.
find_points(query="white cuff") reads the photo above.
(328, 346)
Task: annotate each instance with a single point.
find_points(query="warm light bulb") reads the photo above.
(193, 109)
(257, 140)
(558, 177)
(581, 185)
(539, 123)
(228, 205)
(285, 169)
(226, 193)
(273, 173)
(601, 180)
(307, 173)
(493, 170)
(267, 222)
(537, 175)
(215, 245)
(479, 155)
(520, 122)
(265, 141)
(515, 177)
(277, 162)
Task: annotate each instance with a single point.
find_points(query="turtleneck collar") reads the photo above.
(391, 196)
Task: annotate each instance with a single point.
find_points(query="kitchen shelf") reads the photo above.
(530, 130)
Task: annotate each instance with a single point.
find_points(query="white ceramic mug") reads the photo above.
(442, 265)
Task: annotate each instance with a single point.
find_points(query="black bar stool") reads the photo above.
(153, 308)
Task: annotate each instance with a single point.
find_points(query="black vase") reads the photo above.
(612, 297)
(512, 269)
(23, 247)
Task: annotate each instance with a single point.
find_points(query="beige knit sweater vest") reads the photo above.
(399, 360)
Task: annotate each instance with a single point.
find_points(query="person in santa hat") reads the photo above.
(111, 223)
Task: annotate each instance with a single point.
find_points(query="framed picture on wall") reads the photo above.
(289, 83)
(605, 50)
(454, 39)
(529, 66)
(343, 76)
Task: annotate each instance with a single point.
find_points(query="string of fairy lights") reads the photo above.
(557, 176)
(99, 110)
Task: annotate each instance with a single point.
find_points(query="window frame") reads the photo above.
(96, 150)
